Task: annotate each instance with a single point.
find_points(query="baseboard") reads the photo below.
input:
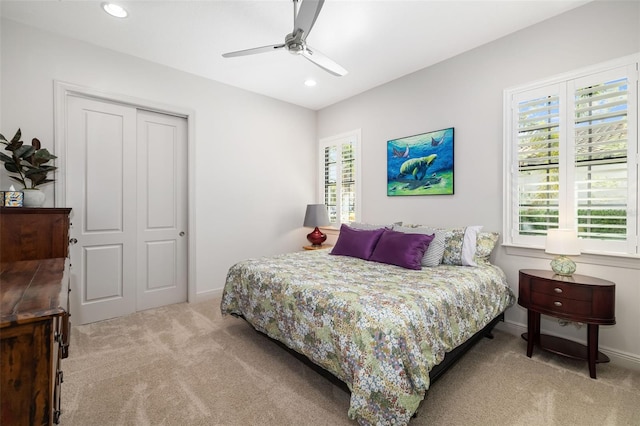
(207, 295)
(621, 359)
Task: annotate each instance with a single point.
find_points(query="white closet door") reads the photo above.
(101, 190)
(126, 183)
(162, 210)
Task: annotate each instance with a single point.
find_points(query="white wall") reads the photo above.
(254, 156)
(466, 92)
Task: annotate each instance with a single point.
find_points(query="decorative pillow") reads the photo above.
(356, 242)
(460, 246)
(433, 256)
(485, 244)
(453, 240)
(469, 245)
(400, 249)
(368, 226)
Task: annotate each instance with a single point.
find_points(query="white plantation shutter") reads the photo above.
(601, 105)
(339, 177)
(537, 158)
(331, 181)
(571, 159)
(348, 184)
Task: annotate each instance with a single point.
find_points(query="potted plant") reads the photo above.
(29, 163)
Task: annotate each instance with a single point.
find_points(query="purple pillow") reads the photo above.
(400, 249)
(356, 242)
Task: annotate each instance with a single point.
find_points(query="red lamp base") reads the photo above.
(316, 238)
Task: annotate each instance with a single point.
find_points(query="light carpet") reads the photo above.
(185, 364)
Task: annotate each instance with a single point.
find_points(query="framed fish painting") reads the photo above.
(421, 164)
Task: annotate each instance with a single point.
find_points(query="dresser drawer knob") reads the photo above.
(557, 303)
(557, 290)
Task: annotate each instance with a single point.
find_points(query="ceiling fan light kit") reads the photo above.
(295, 43)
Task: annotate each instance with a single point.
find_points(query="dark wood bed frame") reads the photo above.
(452, 357)
(436, 372)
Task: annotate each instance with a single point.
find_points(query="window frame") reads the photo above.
(353, 137)
(511, 221)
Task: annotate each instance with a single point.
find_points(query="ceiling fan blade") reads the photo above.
(307, 15)
(254, 50)
(324, 62)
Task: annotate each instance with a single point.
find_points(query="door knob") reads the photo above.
(73, 241)
(181, 233)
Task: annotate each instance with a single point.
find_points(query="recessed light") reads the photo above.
(310, 83)
(115, 10)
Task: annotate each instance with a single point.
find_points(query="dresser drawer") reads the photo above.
(560, 305)
(561, 289)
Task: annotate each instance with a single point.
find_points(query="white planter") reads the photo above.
(33, 197)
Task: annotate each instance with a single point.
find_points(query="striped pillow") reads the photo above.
(433, 256)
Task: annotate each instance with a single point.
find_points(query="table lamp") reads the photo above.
(315, 216)
(563, 242)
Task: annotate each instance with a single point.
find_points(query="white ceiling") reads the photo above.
(376, 41)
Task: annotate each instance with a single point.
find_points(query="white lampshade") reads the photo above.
(562, 241)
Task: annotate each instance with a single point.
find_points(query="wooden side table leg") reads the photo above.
(533, 330)
(592, 347)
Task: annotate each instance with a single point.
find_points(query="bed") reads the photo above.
(379, 328)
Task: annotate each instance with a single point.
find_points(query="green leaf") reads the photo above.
(34, 172)
(45, 154)
(37, 180)
(14, 145)
(4, 157)
(42, 156)
(17, 179)
(2, 138)
(17, 136)
(37, 176)
(11, 168)
(24, 151)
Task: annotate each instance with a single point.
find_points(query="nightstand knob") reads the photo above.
(557, 290)
(557, 303)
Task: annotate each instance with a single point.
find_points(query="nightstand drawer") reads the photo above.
(560, 305)
(561, 289)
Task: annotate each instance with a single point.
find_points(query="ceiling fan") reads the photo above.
(295, 43)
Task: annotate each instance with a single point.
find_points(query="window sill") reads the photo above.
(605, 259)
(331, 230)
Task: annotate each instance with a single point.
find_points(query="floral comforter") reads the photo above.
(377, 327)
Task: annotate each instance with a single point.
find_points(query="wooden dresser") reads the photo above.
(33, 233)
(34, 314)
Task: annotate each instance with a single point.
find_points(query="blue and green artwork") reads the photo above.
(421, 164)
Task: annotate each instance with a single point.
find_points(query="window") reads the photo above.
(571, 158)
(340, 177)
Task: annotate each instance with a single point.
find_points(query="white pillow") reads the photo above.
(469, 245)
(433, 256)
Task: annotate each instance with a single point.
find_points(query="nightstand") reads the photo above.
(578, 298)
(324, 246)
